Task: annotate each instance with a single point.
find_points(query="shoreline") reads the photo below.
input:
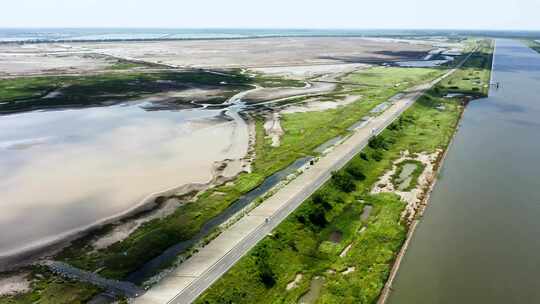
(387, 289)
(50, 246)
(128, 40)
(26, 256)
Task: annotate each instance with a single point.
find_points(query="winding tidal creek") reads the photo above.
(478, 240)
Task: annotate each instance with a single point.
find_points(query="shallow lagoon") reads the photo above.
(62, 171)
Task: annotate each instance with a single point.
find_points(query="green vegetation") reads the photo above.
(303, 243)
(474, 77)
(48, 288)
(126, 65)
(419, 168)
(533, 44)
(276, 82)
(391, 77)
(303, 134)
(26, 93)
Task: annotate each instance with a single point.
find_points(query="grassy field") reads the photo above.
(306, 243)
(475, 75)
(26, 93)
(301, 244)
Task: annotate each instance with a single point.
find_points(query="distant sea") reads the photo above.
(104, 34)
(126, 34)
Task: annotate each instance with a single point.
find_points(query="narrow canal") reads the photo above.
(479, 239)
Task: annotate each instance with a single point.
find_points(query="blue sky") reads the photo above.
(463, 14)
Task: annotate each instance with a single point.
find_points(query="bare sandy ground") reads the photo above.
(273, 129)
(121, 232)
(262, 52)
(14, 284)
(414, 197)
(295, 282)
(39, 62)
(278, 94)
(319, 104)
(310, 71)
(308, 53)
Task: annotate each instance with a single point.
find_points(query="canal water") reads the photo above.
(478, 241)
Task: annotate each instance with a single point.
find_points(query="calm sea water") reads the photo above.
(478, 240)
(30, 35)
(99, 34)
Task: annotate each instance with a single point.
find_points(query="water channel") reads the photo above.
(478, 240)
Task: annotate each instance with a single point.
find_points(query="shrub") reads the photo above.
(317, 217)
(267, 275)
(343, 181)
(377, 155)
(364, 156)
(378, 142)
(321, 198)
(355, 170)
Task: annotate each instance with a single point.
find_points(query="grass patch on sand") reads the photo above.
(474, 76)
(34, 93)
(48, 288)
(413, 176)
(127, 65)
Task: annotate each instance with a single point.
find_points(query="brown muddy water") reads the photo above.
(478, 240)
(63, 171)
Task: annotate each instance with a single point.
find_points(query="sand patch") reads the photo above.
(319, 104)
(273, 95)
(348, 270)
(14, 284)
(310, 71)
(295, 282)
(122, 231)
(261, 52)
(273, 129)
(413, 198)
(345, 251)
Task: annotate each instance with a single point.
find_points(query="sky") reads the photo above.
(351, 14)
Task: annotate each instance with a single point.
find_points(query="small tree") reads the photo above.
(378, 142)
(266, 274)
(355, 171)
(317, 217)
(343, 181)
(322, 199)
(364, 156)
(377, 155)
